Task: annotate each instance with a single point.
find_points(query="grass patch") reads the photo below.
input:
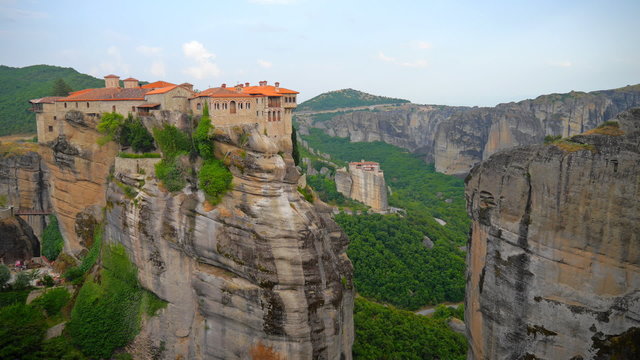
(569, 146)
(139, 156)
(610, 128)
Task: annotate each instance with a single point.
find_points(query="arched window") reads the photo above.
(278, 115)
(232, 107)
(248, 105)
(198, 106)
(268, 115)
(240, 106)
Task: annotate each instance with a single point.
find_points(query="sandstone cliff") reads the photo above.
(456, 138)
(263, 273)
(23, 182)
(367, 187)
(554, 253)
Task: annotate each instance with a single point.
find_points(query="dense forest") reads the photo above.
(383, 332)
(392, 264)
(19, 85)
(345, 98)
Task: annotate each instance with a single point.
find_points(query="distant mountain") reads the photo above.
(19, 85)
(345, 98)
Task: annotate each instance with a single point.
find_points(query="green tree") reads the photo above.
(5, 275)
(52, 241)
(22, 328)
(201, 138)
(214, 179)
(133, 133)
(295, 153)
(109, 125)
(61, 88)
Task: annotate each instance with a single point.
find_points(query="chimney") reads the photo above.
(130, 83)
(112, 81)
(223, 86)
(246, 84)
(187, 86)
(277, 86)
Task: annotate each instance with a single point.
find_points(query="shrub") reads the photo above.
(52, 300)
(5, 275)
(21, 330)
(201, 138)
(214, 179)
(133, 133)
(171, 174)
(22, 281)
(56, 348)
(76, 272)
(109, 125)
(306, 193)
(47, 280)
(52, 241)
(552, 138)
(172, 142)
(13, 296)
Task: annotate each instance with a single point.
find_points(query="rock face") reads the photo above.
(17, 241)
(554, 260)
(23, 183)
(456, 138)
(366, 186)
(263, 273)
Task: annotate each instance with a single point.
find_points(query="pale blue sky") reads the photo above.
(436, 52)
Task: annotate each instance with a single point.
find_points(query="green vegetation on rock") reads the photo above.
(214, 179)
(52, 300)
(52, 241)
(21, 330)
(19, 85)
(344, 99)
(383, 332)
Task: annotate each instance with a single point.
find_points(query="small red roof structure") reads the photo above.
(162, 90)
(130, 79)
(112, 76)
(157, 84)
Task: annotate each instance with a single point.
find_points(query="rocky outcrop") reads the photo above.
(366, 186)
(554, 252)
(263, 272)
(78, 169)
(456, 138)
(17, 241)
(23, 183)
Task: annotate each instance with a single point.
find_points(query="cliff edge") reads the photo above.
(554, 251)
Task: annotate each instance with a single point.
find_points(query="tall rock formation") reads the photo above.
(23, 181)
(554, 253)
(456, 138)
(17, 241)
(364, 181)
(263, 274)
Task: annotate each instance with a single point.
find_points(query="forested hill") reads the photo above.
(345, 98)
(19, 85)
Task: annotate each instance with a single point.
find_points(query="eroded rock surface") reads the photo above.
(17, 241)
(554, 260)
(263, 272)
(456, 138)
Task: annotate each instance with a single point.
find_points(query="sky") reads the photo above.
(430, 52)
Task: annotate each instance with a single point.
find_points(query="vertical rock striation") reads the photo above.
(366, 186)
(554, 253)
(263, 272)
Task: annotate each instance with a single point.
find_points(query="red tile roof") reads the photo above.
(112, 76)
(45, 100)
(221, 93)
(130, 79)
(157, 84)
(246, 91)
(364, 163)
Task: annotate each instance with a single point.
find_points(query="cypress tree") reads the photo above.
(61, 88)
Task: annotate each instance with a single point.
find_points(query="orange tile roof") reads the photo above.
(245, 91)
(268, 90)
(221, 93)
(364, 163)
(157, 84)
(162, 90)
(112, 76)
(130, 79)
(106, 94)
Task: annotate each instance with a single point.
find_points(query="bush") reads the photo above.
(13, 297)
(214, 179)
(56, 348)
(76, 272)
(306, 193)
(133, 133)
(201, 138)
(552, 138)
(52, 241)
(109, 126)
(21, 330)
(47, 280)
(171, 174)
(5, 275)
(52, 300)
(172, 142)
(22, 281)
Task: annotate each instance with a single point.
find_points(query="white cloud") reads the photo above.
(423, 45)
(205, 67)
(19, 14)
(264, 64)
(158, 69)
(113, 64)
(564, 64)
(149, 50)
(272, 2)
(413, 64)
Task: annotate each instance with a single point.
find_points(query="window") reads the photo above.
(198, 106)
(257, 113)
(133, 109)
(55, 117)
(113, 108)
(240, 106)
(65, 105)
(50, 128)
(76, 105)
(87, 105)
(278, 115)
(232, 107)
(248, 105)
